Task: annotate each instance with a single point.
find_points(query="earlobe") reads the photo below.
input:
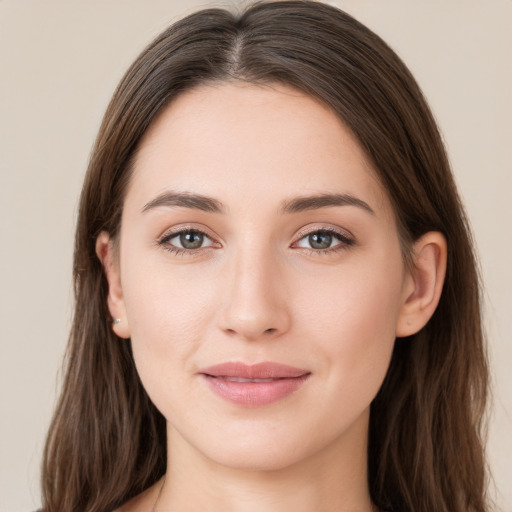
(115, 300)
(423, 284)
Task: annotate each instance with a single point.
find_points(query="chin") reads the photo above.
(262, 447)
(258, 458)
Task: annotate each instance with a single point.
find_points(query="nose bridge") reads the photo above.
(254, 304)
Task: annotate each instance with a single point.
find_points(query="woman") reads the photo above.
(277, 305)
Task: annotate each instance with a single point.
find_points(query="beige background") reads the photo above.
(59, 63)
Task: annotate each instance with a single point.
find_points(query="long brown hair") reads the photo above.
(107, 440)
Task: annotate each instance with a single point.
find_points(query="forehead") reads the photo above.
(258, 141)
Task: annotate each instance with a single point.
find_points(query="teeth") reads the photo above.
(241, 379)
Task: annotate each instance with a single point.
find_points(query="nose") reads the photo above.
(254, 301)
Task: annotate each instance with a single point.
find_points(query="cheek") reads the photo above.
(353, 317)
(164, 302)
(168, 317)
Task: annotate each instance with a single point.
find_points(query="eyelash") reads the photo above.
(345, 241)
(180, 251)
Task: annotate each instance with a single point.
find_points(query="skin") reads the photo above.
(258, 291)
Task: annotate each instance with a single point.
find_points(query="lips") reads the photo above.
(254, 385)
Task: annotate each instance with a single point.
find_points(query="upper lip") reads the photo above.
(265, 370)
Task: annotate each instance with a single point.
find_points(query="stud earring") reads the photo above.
(115, 321)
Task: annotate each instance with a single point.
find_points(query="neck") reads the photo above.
(334, 479)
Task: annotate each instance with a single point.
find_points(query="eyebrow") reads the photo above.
(316, 202)
(299, 204)
(185, 200)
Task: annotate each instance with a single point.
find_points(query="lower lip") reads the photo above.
(254, 394)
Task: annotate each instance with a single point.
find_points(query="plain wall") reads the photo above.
(59, 64)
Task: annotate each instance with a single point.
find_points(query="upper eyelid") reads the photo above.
(175, 231)
(330, 229)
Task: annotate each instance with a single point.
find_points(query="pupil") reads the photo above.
(191, 240)
(320, 240)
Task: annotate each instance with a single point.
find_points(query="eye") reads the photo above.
(186, 240)
(324, 239)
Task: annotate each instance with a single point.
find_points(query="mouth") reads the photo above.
(254, 385)
(240, 379)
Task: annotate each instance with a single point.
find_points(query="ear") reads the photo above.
(423, 284)
(115, 300)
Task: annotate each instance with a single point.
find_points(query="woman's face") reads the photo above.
(255, 231)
